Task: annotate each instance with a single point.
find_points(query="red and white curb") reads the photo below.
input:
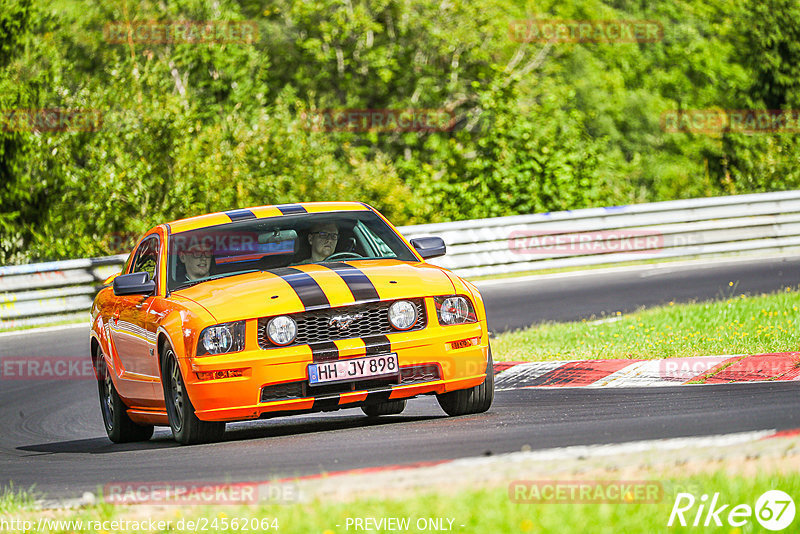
(780, 366)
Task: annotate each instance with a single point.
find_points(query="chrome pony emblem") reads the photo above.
(343, 322)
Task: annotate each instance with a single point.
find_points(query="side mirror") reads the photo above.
(134, 284)
(429, 247)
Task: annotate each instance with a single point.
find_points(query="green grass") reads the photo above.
(478, 510)
(736, 325)
(12, 500)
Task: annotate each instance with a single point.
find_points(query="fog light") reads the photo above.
(402, 315)
(281, 330)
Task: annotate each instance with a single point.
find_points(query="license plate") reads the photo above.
(346, 370)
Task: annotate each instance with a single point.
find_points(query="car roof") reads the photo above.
(261, 212)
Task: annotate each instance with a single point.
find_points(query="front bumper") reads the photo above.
(240, 398)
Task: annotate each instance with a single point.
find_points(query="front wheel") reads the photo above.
(186, 427)
(119, 427)
(476, 399)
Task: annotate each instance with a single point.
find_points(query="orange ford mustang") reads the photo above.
(281, 310)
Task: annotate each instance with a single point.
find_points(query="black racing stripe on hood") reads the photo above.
(240, 215)
(359, 283)
(311, 295)
(291, 209)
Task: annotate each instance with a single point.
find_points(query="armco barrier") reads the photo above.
(48, 292)
(759, 223)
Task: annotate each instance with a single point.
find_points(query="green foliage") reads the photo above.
(771, 48)
(190, 128)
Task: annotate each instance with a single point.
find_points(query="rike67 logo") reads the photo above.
(774, 510)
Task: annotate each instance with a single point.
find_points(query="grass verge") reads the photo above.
(465, 511)
(736, 325)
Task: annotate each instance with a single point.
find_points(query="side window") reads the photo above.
(146, 260)
(374, 241)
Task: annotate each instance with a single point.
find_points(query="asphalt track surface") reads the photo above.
(51, 433)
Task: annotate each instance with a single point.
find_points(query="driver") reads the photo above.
(323, 239)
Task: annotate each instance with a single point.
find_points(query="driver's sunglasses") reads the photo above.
(327, 236)
(197, 254)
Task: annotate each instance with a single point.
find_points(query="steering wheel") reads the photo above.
(343, 255)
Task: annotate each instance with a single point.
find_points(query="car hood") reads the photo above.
(313, 286)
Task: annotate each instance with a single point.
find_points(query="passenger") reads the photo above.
(197, 260)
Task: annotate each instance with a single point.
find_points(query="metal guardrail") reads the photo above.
(760, 223)
(40, 293)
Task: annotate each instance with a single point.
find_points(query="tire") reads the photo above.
(392, 407)
(476, 399)
(186, 427)
(119, 427)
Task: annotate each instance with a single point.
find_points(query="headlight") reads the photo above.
(282, 330)
(402, 315)
(221, 338)
(454, 310)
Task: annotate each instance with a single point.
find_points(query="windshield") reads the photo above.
(260, 244)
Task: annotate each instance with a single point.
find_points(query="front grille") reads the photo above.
(413, 374)
(314, 326)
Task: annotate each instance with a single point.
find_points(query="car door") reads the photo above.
(133, 329)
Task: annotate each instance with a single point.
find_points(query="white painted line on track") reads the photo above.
(29, 331)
